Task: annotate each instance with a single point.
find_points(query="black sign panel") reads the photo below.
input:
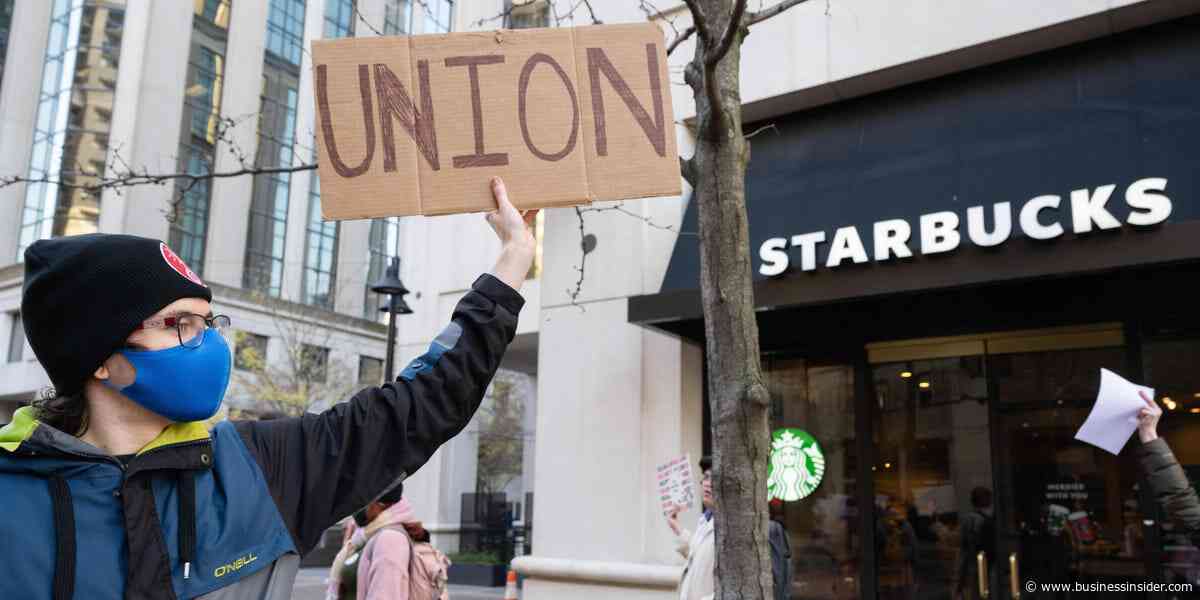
(1123, 112)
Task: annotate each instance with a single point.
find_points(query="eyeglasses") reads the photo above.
(189, 326)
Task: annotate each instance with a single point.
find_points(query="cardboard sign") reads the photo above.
(676, 488)
(418, 125)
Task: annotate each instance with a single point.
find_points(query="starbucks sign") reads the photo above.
(797, 465)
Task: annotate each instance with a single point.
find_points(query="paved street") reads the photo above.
(310, 586)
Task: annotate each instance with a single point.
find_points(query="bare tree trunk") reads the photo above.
(739, 399)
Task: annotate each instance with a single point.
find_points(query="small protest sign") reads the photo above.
(676, 485)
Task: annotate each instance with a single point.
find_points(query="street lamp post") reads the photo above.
(390, 285)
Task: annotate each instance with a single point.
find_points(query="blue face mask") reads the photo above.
(182, 384)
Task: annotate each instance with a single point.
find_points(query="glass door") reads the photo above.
(933, 475)
(1067, 511)
(980, 486)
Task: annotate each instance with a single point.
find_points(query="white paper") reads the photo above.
(1115, 415)
(676, 488)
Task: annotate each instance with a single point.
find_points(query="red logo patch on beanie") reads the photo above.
(180, 267)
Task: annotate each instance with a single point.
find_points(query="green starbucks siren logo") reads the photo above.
(797, 465)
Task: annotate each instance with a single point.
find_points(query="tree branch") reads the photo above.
(763, 15)
(699, 20)
(732, 28)
(679, 39)
(132, 179)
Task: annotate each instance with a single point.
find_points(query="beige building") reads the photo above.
(884, 114)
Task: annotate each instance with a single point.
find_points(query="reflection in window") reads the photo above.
(320, 254)
(439, 16)
(198, 135)
(382, 244)
(285, 30)
(339, 18)
(822, 527)
(396, 16)
(269, 206)
(215, 12)
(6, 13)
(70, 139)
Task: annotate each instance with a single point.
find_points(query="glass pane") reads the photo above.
(822, 527)
(1069, 511)
(931, 435)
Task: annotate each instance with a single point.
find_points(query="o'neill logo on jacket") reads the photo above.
(797, 465)
(939, 231)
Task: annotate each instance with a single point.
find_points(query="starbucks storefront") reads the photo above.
(941, 272)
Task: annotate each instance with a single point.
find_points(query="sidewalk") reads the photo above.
(310, 586)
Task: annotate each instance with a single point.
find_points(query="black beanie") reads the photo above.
(84, 295)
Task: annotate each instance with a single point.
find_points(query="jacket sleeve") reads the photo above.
(322, 467)
(1170, 486)
(683, 543)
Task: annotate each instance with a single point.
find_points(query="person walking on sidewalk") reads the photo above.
(699, 548)
(387, 556)
(1167, 480)
(116, 487)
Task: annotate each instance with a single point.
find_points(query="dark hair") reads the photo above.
(981, 497)
(393, 495)
(65, 412)
(417, 532)
(705, 463)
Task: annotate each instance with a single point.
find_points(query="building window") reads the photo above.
(314, 362)
(285, 30)
(70, 138)
(396, 16)
(527, 14)
(339, 18)
(382, 244)
(251, 352)
(370, 370)
(197, 146)
(439, 16)
(16, 339)
(6, 12)
(320, 254)
(269, 205)
(215, 12)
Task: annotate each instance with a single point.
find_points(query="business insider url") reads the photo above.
(1032, 586)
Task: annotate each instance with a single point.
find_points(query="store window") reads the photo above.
(822, 527)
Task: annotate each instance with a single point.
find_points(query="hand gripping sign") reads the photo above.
(419, 125)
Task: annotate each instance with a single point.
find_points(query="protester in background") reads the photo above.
(1166, 478)
(781, 552)
(387, 556)
(978, 535)
(699, 548)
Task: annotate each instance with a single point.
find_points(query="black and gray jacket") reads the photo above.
(225, 514)
(1170, 487)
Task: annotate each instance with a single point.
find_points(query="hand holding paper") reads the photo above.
(1148, 419)
(1115, 415)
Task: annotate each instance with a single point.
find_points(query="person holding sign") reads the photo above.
(699, 548)
(1166, 478)
(117, 487)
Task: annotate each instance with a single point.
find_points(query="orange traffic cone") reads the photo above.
(510, 586)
